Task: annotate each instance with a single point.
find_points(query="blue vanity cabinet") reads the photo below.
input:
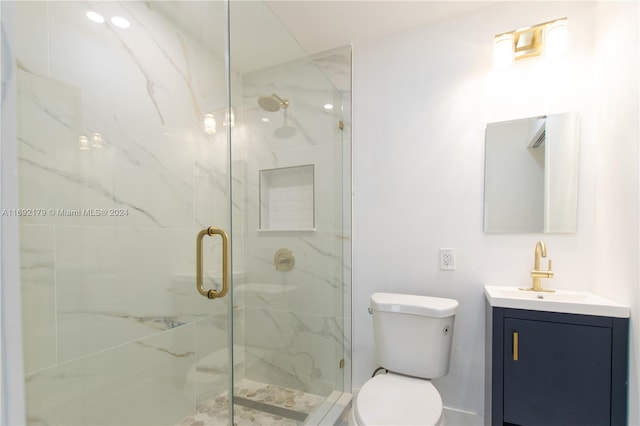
(551, 368)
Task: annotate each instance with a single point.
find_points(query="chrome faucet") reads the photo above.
(536, 273)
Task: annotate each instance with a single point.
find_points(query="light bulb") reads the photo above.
(503, 51)
(557, 39)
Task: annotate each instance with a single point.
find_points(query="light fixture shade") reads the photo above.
(210, 124)
(502, 51)
(556, 39)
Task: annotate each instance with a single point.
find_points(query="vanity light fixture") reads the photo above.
(503, 51)
(328, 107)
(550, 37)
(557, 39)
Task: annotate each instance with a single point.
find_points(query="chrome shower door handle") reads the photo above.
(213, 294)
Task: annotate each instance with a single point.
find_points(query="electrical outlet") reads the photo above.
(448, 259)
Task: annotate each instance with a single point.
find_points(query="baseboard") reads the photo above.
(455, 417)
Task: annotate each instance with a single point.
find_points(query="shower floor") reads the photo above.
(257, 404)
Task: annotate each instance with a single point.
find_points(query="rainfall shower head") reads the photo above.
(272, 103)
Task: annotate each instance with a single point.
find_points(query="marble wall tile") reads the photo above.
(294, 349)
(313, 286)
(307, 90)
(211, 373)
(119, 284)
(328, 181)
(149, 124)
(289, 316)
(37, 270)
(139, 383)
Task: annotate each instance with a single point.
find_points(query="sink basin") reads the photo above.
(565, 301)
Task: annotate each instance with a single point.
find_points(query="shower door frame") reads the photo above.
(12, 403)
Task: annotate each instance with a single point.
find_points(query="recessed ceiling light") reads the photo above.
(95, 17)
(120, 22)
(265, 119)
(328, 106)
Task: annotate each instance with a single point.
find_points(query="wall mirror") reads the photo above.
(531, 175)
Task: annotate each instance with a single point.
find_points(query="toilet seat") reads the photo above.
(393, 399)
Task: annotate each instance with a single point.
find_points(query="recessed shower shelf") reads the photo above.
(287, 198)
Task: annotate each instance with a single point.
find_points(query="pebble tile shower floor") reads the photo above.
(257, 404)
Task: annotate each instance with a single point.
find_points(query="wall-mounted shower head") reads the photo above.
(272, 103)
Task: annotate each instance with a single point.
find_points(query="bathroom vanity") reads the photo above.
(555, 358)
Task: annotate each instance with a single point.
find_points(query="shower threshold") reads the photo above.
(257, 404)
(275, 410)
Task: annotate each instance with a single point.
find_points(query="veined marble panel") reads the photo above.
(37, 270)
(328, 181)
(307, 89)
(139, 383)
(119, 284)
(145, 90)
(336, 65)
(313, 286)
(294, 350)
(211, 373)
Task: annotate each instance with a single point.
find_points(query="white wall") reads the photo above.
(616, 152)
(422, 99)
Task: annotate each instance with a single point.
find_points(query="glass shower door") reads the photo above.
(123, 159)
(290, 223)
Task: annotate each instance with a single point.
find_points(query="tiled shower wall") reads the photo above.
(298, 322)
(113, 327)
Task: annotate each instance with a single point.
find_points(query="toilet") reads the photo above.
(413, 342)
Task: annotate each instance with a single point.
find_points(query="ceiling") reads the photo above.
(320, 25)
(273, 32)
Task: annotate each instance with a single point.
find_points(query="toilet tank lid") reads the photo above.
(434, 307)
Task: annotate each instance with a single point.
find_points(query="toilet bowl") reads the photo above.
(394, 399)
(413, 342)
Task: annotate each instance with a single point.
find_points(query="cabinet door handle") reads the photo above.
(515, 345)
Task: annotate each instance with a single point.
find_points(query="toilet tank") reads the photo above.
(413, 333)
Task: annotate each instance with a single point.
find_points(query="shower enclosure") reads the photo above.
(139, 126)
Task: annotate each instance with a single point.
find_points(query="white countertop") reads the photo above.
(564, 301)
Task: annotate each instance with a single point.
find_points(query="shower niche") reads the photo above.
(287, 199)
